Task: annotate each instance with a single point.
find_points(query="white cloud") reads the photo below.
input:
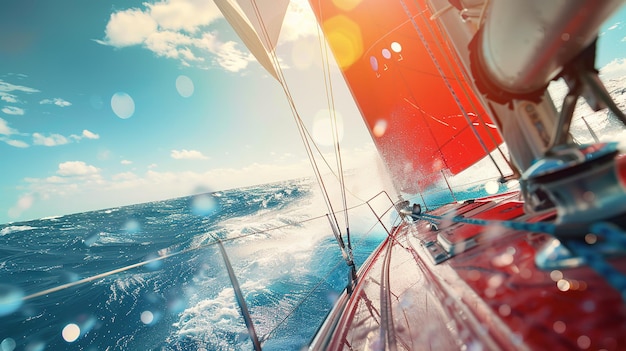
(12, 110)
(126, 162)
(5, 129)
(90, 135)
(127, 28)
(170, 29)
(178, 29)
(10, 98)
(8, 87)
(125, 176)
(299, 22)
(614, 69)
(184, 15)
(23, 203)
(187, 154)
(79, 187)
(76, 168)
(51, 140)
(56, 101)
(17, 143)
(231, 58)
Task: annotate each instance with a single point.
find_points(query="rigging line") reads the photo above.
(300, 124)
(156, 259)
(456, 77)
(319, 283)
(330, 96)
(445, 79)
(463, 88)
(296, 115)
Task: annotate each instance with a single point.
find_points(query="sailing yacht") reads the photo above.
(442, 85)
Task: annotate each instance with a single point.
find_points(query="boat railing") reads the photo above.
(379, 217)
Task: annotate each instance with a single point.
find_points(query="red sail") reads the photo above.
(409, 87)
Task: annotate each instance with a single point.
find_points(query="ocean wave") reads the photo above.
(15, 228)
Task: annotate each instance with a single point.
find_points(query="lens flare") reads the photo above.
(344, 36)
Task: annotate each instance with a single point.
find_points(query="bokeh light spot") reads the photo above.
(184, 86)
(146, 317)
(563, 285)
(374, 63)
(396, 47)
(10, 299)
(71, 332)
(380, 128)
(386, 54)
(583, 342)
(123, 105)
(323, 129)
(492, 187)
(556, 275)
(559, 327)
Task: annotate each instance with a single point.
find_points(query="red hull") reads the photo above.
(491, 296)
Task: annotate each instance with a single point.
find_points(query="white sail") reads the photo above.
(257, 23)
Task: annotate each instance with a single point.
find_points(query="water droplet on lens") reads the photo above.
(91, 239)
(10, 299)
(132, 226)
(176, 305)
(154, 265)
(204, 205)
(71, 332)
(7, 344)
(35, 346)
(184, 86)
(123, 105)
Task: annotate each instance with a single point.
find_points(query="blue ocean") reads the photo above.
(150, 276)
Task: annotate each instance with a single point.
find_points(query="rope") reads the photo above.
(447, 82)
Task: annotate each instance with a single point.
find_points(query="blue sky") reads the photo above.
(106, 103)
